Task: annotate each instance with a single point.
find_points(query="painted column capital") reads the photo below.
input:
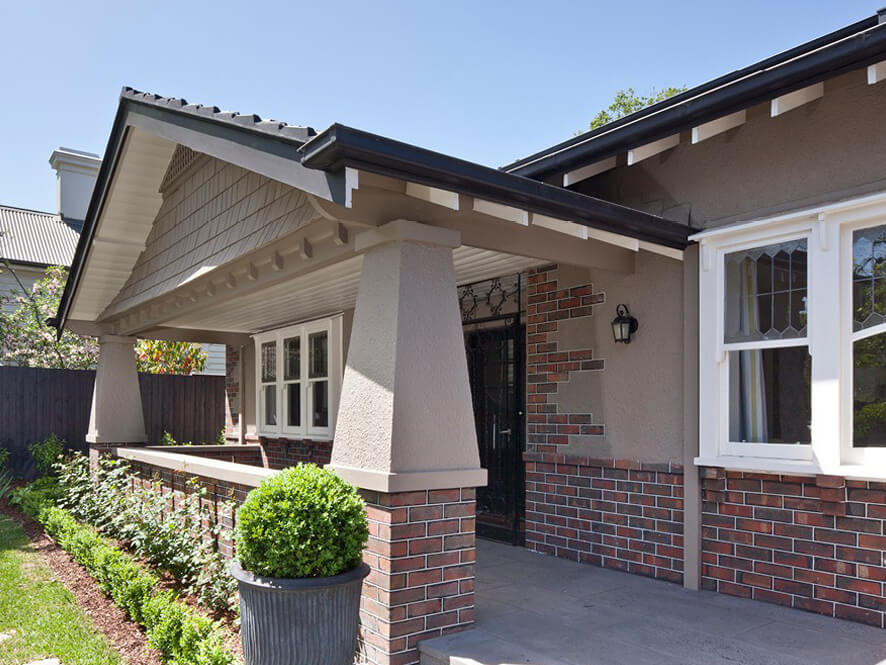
(404, 230)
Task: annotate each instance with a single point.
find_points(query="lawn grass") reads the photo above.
(47, 620)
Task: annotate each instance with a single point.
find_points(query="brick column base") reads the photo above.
(421, 551)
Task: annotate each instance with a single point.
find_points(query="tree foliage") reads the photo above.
(27, 340)
(627, 101)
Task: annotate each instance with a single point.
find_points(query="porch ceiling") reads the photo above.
(321, 292)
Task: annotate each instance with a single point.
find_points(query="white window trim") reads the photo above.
(828, 230)
(333, 327)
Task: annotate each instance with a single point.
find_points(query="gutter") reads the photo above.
(853, 47)
(340, 146)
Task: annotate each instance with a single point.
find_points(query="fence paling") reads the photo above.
(36, 402)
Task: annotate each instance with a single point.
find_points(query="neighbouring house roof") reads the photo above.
(855, 46)
(319, 165)
(36, 238)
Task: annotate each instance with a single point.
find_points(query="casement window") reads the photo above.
(792, 342)
(298, 371)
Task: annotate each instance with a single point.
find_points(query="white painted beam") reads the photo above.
(560, 225)
(877, 72)
(352, 182)
(441, 197)
(614, 239)
(645, 151)
(670, 252)
(501, 211)
(718, 126)
(589, 171)
(790, 101)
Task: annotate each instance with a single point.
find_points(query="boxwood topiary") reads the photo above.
(303, 522)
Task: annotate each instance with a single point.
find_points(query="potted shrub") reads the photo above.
(300, 538)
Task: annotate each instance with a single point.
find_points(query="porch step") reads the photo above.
(479, 647)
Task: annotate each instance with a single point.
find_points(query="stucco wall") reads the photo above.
(638, 394)
(214, 213)
(826, 150)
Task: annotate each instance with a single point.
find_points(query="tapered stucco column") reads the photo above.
(405, 435)
(116, 417)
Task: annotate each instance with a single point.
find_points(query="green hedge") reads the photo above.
(182, 636)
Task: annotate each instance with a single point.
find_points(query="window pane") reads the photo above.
(766, 292)
(320, 403)
(270, 393)
(292, 358)
(869, 391)
(318, 359)
(869, 277)
(269, 362)
(770, 397)
(293, 404)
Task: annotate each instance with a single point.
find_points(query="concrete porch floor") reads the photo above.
(539, 610)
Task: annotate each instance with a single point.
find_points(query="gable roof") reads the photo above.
(853, 47)
(36, 238)
(319, 164)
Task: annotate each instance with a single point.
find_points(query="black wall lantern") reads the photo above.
(623, 325)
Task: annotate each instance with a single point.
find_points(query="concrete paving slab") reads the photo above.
(537, 610)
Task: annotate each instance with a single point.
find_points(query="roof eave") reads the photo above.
(818, 61)
(341, 146)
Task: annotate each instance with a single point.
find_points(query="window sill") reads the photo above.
(794, 467)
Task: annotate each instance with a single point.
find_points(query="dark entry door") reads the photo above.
(495, 364)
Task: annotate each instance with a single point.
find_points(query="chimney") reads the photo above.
(881, 16)
(77, 172)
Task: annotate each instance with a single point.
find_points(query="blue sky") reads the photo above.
(485, 81)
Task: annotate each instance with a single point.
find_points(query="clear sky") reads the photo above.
(485, 81)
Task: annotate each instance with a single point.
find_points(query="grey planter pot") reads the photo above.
(309, 621)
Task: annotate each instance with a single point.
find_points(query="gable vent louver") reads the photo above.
(182, 160)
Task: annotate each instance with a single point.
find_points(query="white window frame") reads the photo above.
(828, 231)
(333, 327)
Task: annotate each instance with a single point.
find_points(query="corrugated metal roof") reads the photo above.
(29, 236)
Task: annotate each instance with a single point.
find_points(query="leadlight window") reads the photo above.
(769, 368)
(869, 337)
(792, 342)
(300, 369)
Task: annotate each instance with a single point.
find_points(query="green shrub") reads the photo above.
(180, 634)
(303, 522)
(46, 453)
(4, 458)
(35, 496)
(182, 541)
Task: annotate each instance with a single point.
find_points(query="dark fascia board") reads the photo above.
(340, 146)
(855, 46)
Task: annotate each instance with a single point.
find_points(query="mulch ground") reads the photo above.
(122, 634)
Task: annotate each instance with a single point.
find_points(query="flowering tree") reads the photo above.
(162, 357)
(26, 340)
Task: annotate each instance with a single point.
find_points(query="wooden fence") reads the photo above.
(36, 402)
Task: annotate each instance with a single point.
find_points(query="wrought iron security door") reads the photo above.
(495, 352)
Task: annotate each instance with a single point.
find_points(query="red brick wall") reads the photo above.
(813, 543)
(218, 494)
(421, 550)
(282, 453)
(548, 429)
(611, 513)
